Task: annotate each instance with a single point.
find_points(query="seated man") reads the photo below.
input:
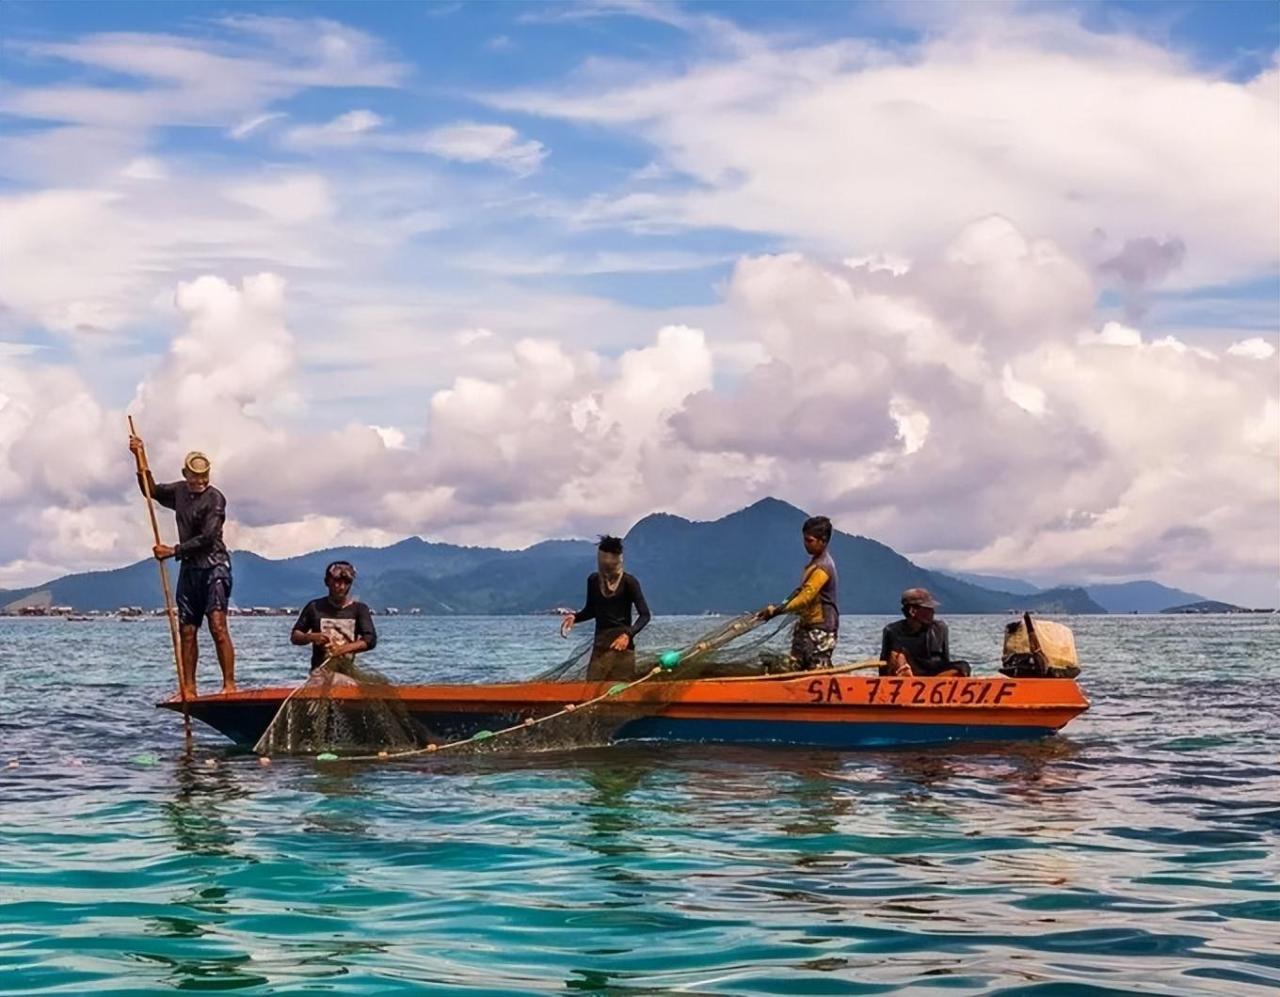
(335, 625)
(918, 644)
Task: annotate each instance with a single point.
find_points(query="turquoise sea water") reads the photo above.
(1135, 853)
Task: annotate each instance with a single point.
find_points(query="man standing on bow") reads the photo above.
(204, 579)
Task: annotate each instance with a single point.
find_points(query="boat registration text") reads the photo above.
(912, 691)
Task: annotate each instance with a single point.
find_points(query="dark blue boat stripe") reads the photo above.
(818, 734)
(245, 722)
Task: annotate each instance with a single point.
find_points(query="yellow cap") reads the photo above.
(196, 464)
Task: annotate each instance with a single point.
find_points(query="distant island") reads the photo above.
(736, 563)
(1115, 597)
(1212, 606)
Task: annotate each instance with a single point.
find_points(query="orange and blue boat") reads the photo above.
(839, 711)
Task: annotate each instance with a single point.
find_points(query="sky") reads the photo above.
(996, 284)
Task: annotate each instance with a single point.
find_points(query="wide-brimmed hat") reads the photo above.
(197, 464)
(919, 597)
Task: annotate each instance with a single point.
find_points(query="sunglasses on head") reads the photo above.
(340, 571)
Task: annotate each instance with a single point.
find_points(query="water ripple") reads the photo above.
(1138, 852)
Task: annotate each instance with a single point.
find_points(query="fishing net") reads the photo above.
(349, 710)
(343, 708)
(743, 645)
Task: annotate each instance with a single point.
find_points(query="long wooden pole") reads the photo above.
(169, 608)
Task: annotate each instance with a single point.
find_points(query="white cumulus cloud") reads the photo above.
(919, 352)
(853, 148)
(1255, 348)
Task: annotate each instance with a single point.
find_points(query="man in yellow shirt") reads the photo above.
(814, 603)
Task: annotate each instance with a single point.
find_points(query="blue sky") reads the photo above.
(453, 52)
(1008, 195)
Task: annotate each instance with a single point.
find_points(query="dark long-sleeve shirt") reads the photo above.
(613, 612)
(200, 520)
(928, 649)
(352, 621)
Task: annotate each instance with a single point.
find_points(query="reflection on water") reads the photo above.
(198, 812)
(609, 813)
(1139, 850)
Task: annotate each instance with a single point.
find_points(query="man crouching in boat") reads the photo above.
(814, 602)
(335, 625)
(204, 579)
(918, 644)
(611, 595)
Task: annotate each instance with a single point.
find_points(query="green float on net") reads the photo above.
(669, 659)
(326, 756)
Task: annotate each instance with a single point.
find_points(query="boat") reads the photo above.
(820, 710)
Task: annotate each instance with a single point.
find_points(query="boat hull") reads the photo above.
(827, 711)
(840, 735)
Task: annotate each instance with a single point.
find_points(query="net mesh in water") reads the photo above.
(743, 645)
(347, 709)
(342, 708)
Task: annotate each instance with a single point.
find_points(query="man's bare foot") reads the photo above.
(226, 688)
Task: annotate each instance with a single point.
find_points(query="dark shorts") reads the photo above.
(202, 591)
(812, 647)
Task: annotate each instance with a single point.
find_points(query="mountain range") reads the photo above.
(739, 562)
(1115, 597)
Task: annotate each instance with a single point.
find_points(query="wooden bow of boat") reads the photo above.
(825, 710)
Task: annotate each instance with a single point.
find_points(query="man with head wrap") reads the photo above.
(335, 625)
(611, 595)
(204, 580)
